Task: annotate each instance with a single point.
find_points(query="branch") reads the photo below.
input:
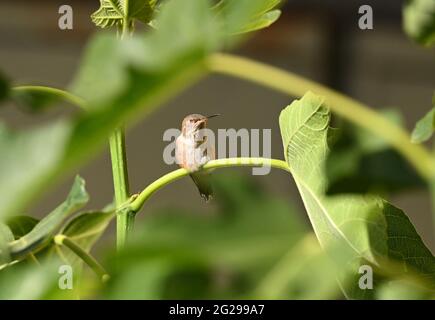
(141, 198)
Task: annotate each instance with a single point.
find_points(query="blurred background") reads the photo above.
(318, 39)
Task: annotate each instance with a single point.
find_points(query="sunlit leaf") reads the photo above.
(373, 230)
(117, 12)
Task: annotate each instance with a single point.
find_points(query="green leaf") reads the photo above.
(242, 16)
(425, 127)
(117, 12)
(371, 229)
(84, 230)
(109, 14)
(419, 20)
(359, 162)
(21, 225)
(42, 232)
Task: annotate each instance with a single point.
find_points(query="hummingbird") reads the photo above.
(192, 151)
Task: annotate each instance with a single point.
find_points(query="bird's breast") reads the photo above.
(190, 156)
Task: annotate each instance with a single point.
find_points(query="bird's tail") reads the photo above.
(203, 181)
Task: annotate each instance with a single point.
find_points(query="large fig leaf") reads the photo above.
(372, 230)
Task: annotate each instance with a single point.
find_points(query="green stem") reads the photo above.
(61, 239)
(348, 108)
(141, 198)
(58, 93)
(124, 220)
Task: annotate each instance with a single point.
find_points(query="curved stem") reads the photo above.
(141, 198)
(63, 240)
(348, 108)
(58, 93)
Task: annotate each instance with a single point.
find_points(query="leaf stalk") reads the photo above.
(62, 240)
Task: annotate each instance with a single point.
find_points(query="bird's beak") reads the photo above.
(212, 116)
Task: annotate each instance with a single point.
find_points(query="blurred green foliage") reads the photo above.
(419, 20)
(253, 245)
(359, 162)
(120, 82)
